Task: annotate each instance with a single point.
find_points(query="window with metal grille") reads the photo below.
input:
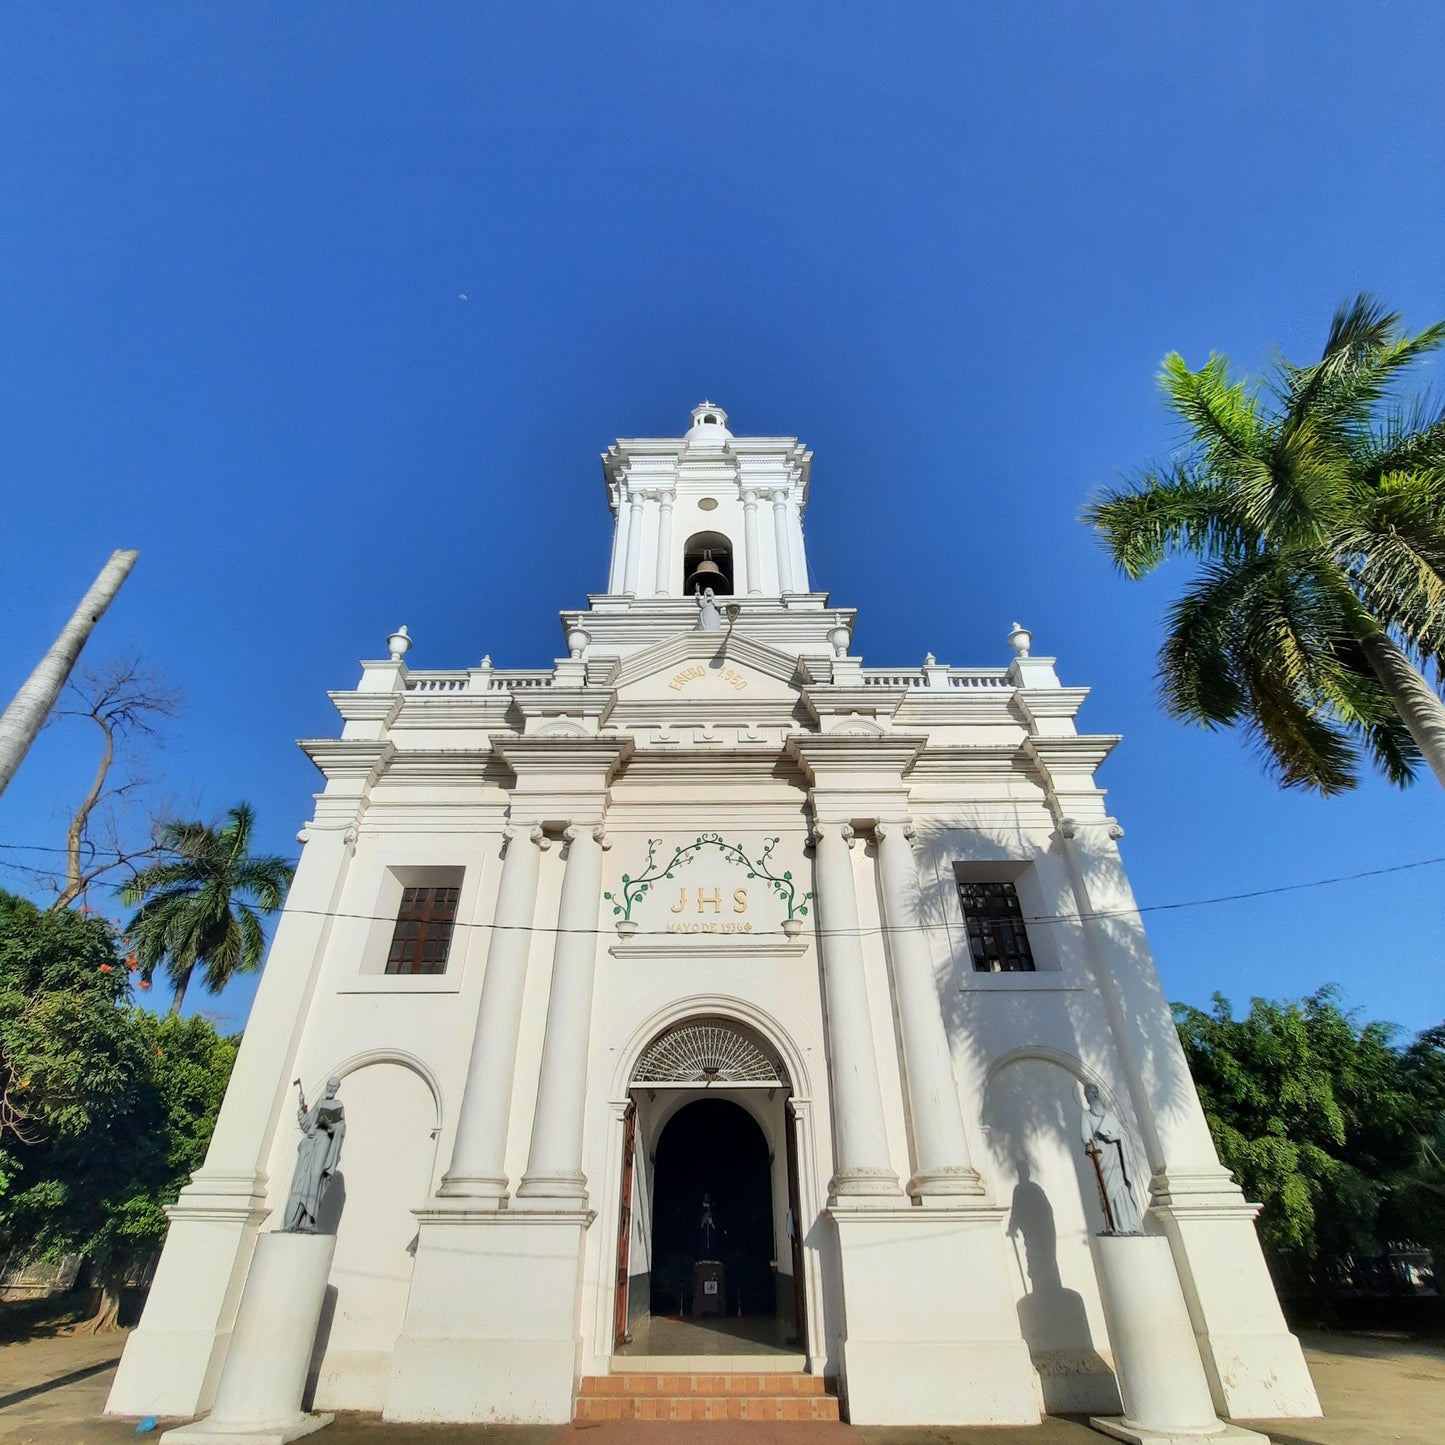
(997, 938)
(423, 935)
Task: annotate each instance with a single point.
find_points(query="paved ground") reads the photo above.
(1377, 1390)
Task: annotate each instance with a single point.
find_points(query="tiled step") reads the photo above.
(775, 1396)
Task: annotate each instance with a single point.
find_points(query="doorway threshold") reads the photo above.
(676, 1346)
(780, 1364)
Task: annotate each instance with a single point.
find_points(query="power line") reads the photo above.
(1038, 919)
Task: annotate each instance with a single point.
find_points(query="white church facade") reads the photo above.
(711, 1001)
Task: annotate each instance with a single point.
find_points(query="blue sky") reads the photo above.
(947, 249)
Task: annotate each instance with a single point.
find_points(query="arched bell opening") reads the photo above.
(708, 1237)
(707, 561)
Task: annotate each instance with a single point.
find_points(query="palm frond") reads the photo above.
(1223, 415)
(1162, 512)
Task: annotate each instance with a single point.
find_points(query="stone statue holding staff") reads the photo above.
(323, 1127)
(709, 619)
(1107, 1146)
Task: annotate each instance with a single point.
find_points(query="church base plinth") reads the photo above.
(919, 1347)
(258, 1399)
(1255, 1366)
(1161, 1378)
(491, 1330)
(1138, 1435)
(173, 1358)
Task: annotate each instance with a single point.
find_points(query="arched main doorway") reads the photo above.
(712, 1200)
(709, 1132)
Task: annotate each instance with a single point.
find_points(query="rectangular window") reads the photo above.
(996, 935)
(423, 935)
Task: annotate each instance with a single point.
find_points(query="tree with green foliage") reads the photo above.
(202, 905)
(1316, 506)
(67, 1054)
(108, 1108)
(1316, 1117)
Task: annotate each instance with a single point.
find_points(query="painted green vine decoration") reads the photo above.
(654, 871)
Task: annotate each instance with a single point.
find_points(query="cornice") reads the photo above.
(1052, 701)
(691, 712)
(372, 707)
(483, 711)
(819, 754)
(972, 762)
(552, 701)
(443, 765)
(958, 708)
(825, 700)
(1083, 753)
(542, 756)
(365, 758)
(726, 767)
(733, 946)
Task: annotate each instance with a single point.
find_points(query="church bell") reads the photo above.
(707, 574)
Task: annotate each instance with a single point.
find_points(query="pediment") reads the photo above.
(708, 666)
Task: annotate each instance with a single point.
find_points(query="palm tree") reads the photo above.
(1316, 506)
(191, 910)
(21, 722)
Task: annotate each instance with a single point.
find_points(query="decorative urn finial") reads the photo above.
(399, 643)
(577, 638)
(1020, 639)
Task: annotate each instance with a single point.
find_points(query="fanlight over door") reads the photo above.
(709, 1051)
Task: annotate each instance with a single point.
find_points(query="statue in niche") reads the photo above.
(709, 619)
(707, 1231)
(323, 1127)
(1107, 1146)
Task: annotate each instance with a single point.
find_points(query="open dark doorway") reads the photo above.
(713, 1147)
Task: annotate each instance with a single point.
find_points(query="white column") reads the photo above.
(751, 559)
(861, 1138)
(479, 1151)
(554, 1161)
(780, 538)
(941, 1163)
(800, 557)
(619, 546)
(634, 544)
(664, 544)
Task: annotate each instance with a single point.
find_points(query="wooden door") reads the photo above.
(620, 1335)
(800, 1313)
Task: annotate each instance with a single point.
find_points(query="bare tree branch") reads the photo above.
(126, 701)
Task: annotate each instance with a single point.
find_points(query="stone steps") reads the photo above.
(774, 1396)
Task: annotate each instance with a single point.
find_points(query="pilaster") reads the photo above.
(478, 1155)
(942, 1167)
(863, 1170)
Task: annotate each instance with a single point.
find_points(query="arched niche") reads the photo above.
(1032, 1116)
(385, 1173)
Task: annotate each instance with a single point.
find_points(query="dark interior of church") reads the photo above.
(712, 1147)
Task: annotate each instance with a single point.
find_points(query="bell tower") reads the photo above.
(708, 509)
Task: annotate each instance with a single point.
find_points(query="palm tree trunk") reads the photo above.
(27, 712)
(1418, 704)
(182, 981)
